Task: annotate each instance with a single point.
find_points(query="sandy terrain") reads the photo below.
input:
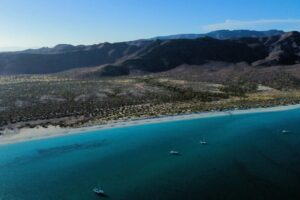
(27, 134)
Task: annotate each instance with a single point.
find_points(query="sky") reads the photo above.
(38, 23)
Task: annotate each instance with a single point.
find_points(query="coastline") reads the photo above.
(38, 133)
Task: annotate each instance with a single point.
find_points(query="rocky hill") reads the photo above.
(151, 56)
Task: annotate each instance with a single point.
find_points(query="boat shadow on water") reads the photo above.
(103, 196)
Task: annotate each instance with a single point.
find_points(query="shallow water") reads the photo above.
(247, 157)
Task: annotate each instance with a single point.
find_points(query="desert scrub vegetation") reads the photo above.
(42, 100)
(184, 93)
(238, 88)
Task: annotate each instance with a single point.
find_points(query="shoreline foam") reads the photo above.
(29, 134)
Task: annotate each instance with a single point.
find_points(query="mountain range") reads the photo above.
(159, 54)
(224, 34)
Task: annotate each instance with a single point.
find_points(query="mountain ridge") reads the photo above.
(224, 34)
(156, 55)
(167, 55)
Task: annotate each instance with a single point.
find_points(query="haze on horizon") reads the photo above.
(36, 23)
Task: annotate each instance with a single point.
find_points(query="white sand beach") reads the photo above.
(28, 134)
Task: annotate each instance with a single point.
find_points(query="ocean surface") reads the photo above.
(247, 157)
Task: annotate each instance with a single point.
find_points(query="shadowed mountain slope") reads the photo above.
(152, 56)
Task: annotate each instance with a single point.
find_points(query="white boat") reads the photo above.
(285, 131)
(172, 152)
(99, 191)
(203, 142)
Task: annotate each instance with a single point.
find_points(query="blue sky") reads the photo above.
(35, 23)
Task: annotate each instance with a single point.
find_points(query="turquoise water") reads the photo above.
(247, 157)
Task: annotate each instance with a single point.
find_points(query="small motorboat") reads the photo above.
(285, 131)
(99, 191)
(175, 153)
(202, 142)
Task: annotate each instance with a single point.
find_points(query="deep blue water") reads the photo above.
(247, 157)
